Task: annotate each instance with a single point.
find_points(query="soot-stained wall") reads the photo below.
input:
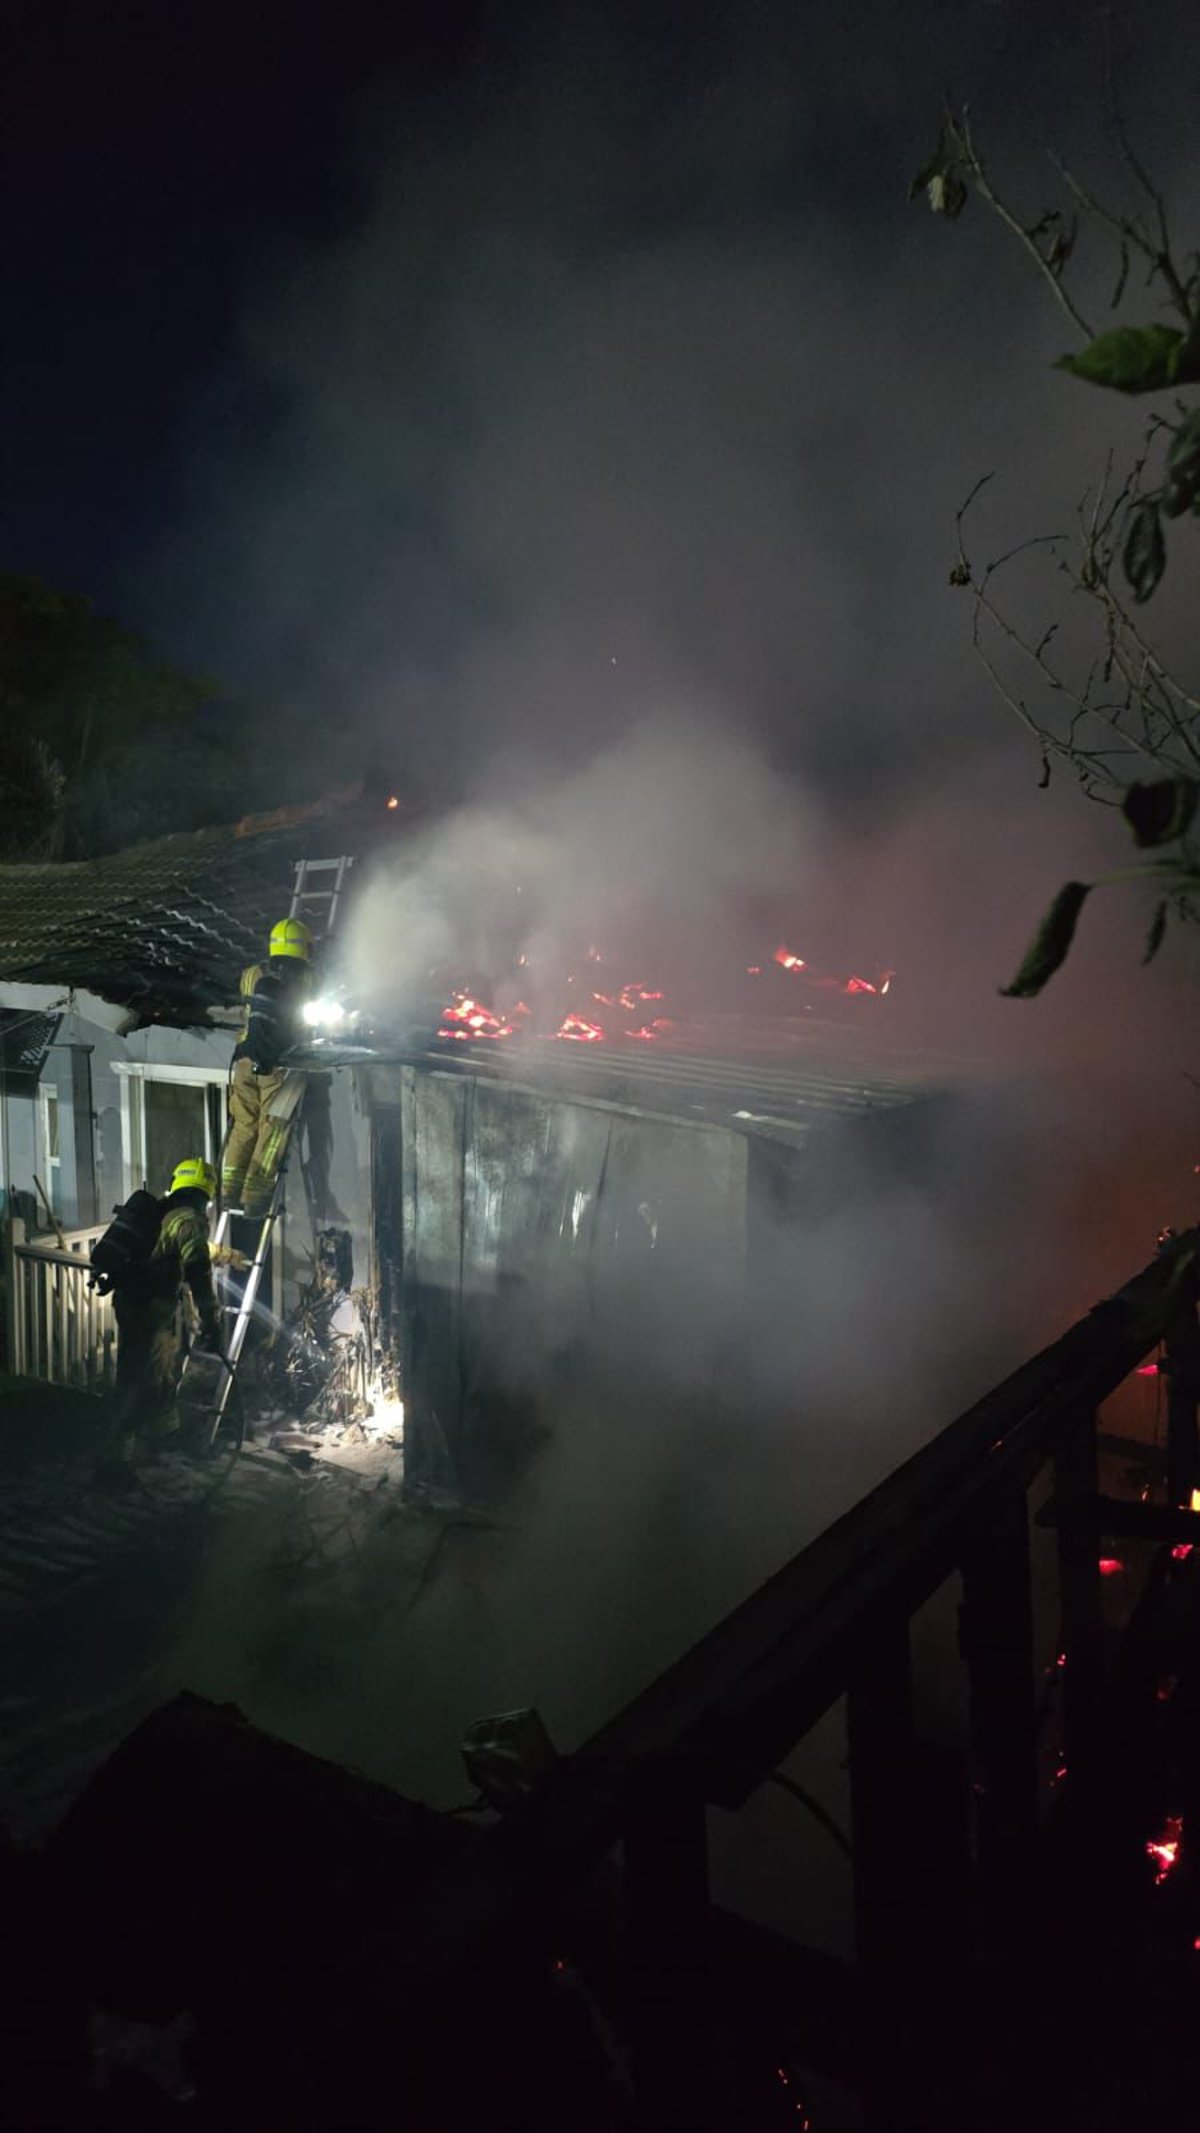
(517, 1232)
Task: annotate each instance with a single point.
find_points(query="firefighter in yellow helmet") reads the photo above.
(263, 1095)
(146, 1297)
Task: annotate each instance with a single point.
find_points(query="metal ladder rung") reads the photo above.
(243, 1310)
(304, 898)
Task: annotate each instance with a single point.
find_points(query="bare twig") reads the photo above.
(1102, 732)
(959, 130)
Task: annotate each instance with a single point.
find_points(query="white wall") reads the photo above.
(119, 1067)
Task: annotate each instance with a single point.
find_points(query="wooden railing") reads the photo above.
(836, 1622)
(59, 1328)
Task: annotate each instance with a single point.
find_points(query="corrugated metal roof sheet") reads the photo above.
(776, 1085)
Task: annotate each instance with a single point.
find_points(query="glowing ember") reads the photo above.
(1164, 1849)
(630, 996)
(1194, 1504)
(467, 1018)
(1111, 1566)
(1147, 1370)
(393, 801)
(803, 2120)
(1181, 1551)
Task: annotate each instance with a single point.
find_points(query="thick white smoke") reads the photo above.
(656, 848)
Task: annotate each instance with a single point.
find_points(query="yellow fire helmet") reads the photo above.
(195, 1175)
(291, 937)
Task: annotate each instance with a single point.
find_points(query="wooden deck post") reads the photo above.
(667, 1926)
(1181, 1365)
(1079, 1548)
(997, 1640)
(887, 1871)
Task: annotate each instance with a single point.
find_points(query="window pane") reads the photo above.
(175, 1128)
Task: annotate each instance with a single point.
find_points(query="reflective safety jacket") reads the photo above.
(181, 1253)
(273, 994)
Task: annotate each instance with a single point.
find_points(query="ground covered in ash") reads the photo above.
(335, 1613)
(203, 1571)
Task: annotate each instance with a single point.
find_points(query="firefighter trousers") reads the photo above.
(257, 1140)
(148, 1357)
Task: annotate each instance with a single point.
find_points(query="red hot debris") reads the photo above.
(467, 1018)
(1163, 1850)
(787, 959)
(577, 1030)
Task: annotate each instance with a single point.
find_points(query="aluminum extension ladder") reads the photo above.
(242, 1310)
(318, 907)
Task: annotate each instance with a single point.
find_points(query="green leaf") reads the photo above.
(1187, 364)
(1132, 359)
(1162, 812)
(1158, 927)
(1051, 944)
(1184, 457)
(1182, 492)
(1144, 557)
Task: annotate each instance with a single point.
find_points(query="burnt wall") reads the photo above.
(518, 1235)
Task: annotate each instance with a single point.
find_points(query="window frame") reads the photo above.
(132, 1076)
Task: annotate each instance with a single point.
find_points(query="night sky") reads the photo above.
(483, 379)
